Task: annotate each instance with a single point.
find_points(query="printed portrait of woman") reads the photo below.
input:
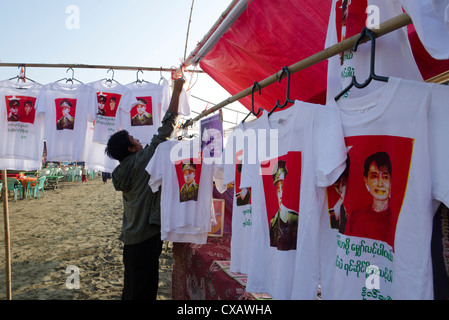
(376, 184)
(375, 221)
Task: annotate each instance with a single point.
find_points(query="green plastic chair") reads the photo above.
(37, 185)
(14, 186)
(30, 186)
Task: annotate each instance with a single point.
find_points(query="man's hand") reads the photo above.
(177, 88)
(179, 83)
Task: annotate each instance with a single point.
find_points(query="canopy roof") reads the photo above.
(263, 36)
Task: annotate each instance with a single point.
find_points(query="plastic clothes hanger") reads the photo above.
(252, 102)
(70, 79)
(137, 77)
(287, 99)
(372, 75)
(20, 77)
(112, 78)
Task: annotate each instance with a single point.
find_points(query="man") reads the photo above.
(14, 104)
(338, 214)
(141, 217)
(66, 121)
(101, 103)
(189, 190)
(284, 225)
(244, 196)
(374, 221)
(142, 118)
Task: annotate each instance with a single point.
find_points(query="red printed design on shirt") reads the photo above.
(188, 172)
(142, 112)
(65, 113)
(350, 18)
(281, 181)
(242, 195)
(372, 189)
(108, 103)
(20, 108)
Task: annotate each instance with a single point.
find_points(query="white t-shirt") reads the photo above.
(431, 21)
(110, 97)
(21, 130)
(306, 151)
(67, 109)
(388, 48)
(143, 116)
(233, 158)
(400, 132)
(94, 155)
(186, 196)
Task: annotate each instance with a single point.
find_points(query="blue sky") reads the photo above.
(149, 33)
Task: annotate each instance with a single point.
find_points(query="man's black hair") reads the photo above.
(117, 146)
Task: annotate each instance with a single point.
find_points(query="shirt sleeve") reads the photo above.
(330, 150)
(431, 21)
(438, 142)
(155, 169)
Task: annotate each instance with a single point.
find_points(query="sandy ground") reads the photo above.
(76, 227)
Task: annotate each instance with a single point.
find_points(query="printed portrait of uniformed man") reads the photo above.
(143, 117)
(101, 104)
(337, 213)
(66, 121)
(14, 105)
(243, 197)
(189, 190)
(284, 224)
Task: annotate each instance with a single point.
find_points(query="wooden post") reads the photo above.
(7, 246)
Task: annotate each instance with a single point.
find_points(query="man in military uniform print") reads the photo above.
(284, 224)
(142, 118)
(66, 121)
(14, 105)
(189, 190)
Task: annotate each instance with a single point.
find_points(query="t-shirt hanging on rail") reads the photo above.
(394, 57)
(67, 108)
(431, 21)
(110, 97)
(21, 131)
(142, 116)
(397, 174)
(186, 196)
(300, 150)
(233, 157)
(184, 100)
(94, 155)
